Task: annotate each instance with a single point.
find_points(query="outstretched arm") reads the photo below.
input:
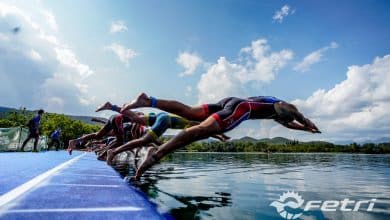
(296, 120)
(297, 126)
(128, 113)
(309, 126)
(293, 125)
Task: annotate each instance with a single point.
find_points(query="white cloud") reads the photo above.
(117, 27)
(33, 54)
(357, 107)
(6, 10)
(188, 91)
(266, 64)
(60, 92)
(282, 13)
(219, 81)
(4, 37)
(256, 63)
(123, 53)
(87, 101)
(313, 57)
(67, 58)
(50, 19)
(189, 61)
(54, 77)
(55, 103)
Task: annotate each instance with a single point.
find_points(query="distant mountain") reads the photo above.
(6, 109)
(384, 140)
(275, 140)
(247, 139)
(377, 141)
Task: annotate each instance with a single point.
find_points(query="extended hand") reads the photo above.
(314, 130)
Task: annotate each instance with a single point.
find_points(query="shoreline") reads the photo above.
(213, 152)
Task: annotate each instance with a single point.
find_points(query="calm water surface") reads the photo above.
(242, 186)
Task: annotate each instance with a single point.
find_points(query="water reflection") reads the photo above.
(188, 207)
(241, 186)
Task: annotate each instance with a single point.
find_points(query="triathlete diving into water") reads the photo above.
(158, 123)
(217, 118)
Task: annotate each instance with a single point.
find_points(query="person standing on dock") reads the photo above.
(33, 128)
(55, 139)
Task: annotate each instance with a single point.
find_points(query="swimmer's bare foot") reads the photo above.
(133, 178)
(105, 106)
(71, 146)
(148, 162)
(102, 155)
(110, 156)
(221, 137)
(142, 100)
(225, 137)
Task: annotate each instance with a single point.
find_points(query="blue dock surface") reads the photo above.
(54, 185)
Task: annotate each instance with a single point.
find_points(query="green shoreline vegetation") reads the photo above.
(72, 128)
(288, 147)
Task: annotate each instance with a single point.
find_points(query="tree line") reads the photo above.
(305, 147)
(70, 128)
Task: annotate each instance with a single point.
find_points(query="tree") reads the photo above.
(70, 128)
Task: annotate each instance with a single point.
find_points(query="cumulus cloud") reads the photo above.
(124, 54)
(36, 68)
(282, 13)
(4, 37)
(67, 58)
(357, 107)
(219, 81)
(255, 64)
(188, 91)
(34, 55)
(313, 57)
(190, 61)
(50, 19)
(117, 27)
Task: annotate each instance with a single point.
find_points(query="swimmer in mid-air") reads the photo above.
(114, 126)
(158, 123)
(217, 118)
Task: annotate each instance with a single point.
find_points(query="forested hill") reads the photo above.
(276, 141)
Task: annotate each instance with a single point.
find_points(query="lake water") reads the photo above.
(242, 186)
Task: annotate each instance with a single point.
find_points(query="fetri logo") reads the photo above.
(289, 205)
(289, 199)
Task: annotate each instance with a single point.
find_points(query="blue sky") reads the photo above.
(330, 58)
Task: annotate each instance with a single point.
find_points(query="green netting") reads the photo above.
(11, 139)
